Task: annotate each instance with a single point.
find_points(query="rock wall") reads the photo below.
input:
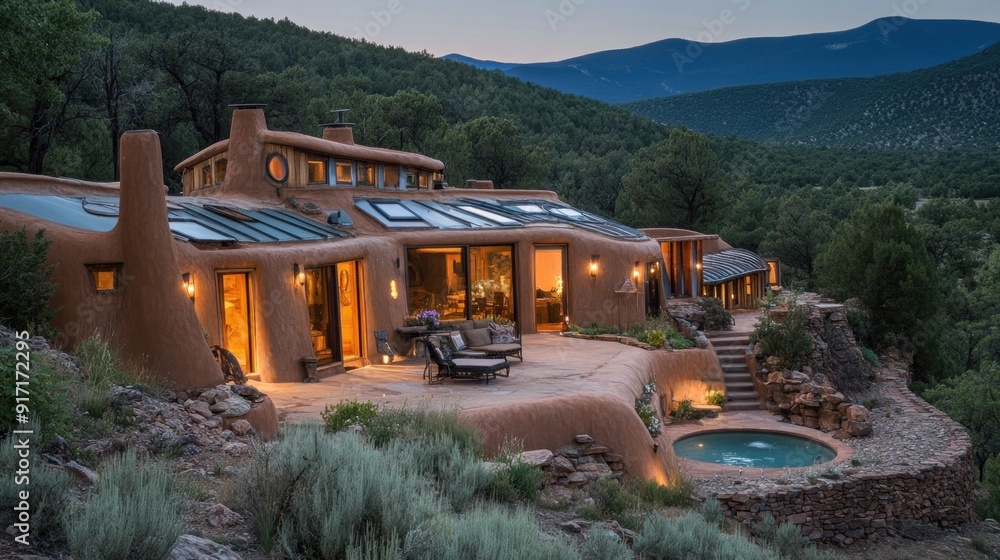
(867, 503)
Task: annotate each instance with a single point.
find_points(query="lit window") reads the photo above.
(220, 170)
(345, 173)
(105, 277)
(317, 170)
(206, 175)
(390, 177)
(366, 174)
(277, 168)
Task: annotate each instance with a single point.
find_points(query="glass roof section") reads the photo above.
(207, 223)
(729, 264)
(475, 213)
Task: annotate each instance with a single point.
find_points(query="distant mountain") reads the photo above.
(953, 105)
(677, 66)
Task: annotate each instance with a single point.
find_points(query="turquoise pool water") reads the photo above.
(753, 449)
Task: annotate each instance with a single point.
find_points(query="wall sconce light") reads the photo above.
(300, 274)
(392, 289)
(397, 263)
(188, 280)
(593, 265)
(698, 266)
(635, 272)
(656, 447)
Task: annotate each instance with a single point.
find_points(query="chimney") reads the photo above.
(339, 131)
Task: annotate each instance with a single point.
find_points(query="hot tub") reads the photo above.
(760, 449)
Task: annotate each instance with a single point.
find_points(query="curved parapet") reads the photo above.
(163, 331)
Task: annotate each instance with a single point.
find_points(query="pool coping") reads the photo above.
(759, 421)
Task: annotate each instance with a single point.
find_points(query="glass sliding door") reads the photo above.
(436, 279)
(550, 288)
(491, 277)
(654, 283)
(322, 318)
(334, 300)
(237, 316)
(349, 296)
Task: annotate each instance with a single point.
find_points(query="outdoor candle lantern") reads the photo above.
(593, 265)
(188, 281)
(635, 272)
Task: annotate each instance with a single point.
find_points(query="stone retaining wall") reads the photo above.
(867, 502)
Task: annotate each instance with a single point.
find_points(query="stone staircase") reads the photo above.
(730, 348)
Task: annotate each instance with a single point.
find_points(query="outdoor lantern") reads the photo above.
(635, 272)
(188, 281)
(392, 289)
(593, 265)
(300, 275)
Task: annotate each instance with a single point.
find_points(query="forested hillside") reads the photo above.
(138, 64)
(949, 106)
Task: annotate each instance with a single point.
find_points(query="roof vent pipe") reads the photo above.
(339, 131)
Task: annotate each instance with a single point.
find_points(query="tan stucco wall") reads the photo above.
(607, 415)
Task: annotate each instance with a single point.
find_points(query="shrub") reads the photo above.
(655, 338)
(765, 528)
(715, 398)
(144, 505)
(493, 534)
(988, 506)
(789, 341)
(48, 487)
(610, 497)
(515, 480)
(340, 416)
(457, 471)
(717, 317)
(602, 544)
(293, 486)
(648, 416)
(711, 511)
(691, 538)
(685, 411)
(790, 542)
(676, 494)
(49, 392)
(870, 357)
(103, 367)
(25, 290)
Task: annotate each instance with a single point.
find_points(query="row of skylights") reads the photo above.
(469, 213)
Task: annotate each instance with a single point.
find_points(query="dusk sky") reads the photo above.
(544, 30)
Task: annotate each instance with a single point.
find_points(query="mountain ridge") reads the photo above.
(677, 66)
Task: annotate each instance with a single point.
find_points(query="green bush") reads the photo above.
(48, 392)
(602, 544)
(610, 497)
(988, 506)
(515, 480)
(790, 542)
(676, 494)
(715, 398)
(25, 289)
(135, 513)
(788, 340)
(48, 489)
(493, 534)
(340, 416)
(692, 538)
(655, 338)
(870, 357)
(685, 411)
(648, 415)
(717, 317)
(711, 511)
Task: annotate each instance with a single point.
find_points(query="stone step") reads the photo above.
(734, 367)
(742, 405)
(740, 387)
(741, 395)
(738, 376)
(724, 342)
(730, 350)
(727, 334)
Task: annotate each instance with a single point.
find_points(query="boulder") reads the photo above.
(190, 547)
(241, 427)
(199, 407)
(538, 458)
(220, 516)
(232, 407)
(562, 465)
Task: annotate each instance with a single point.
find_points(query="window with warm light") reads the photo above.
(345, 173)
(366, 174)
(317, 170)
(220, 169)
(105, 277)
(206, 175)
(277, 168)
(390, 177)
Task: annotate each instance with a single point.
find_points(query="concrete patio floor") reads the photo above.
(553, 366)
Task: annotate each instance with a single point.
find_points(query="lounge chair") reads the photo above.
(440, 353)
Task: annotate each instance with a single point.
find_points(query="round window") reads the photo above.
(277, 168)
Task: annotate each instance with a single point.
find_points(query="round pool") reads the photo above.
(753, 449)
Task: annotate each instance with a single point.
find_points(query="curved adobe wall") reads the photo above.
(159, 326)
(609, 417)
(866, 503)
